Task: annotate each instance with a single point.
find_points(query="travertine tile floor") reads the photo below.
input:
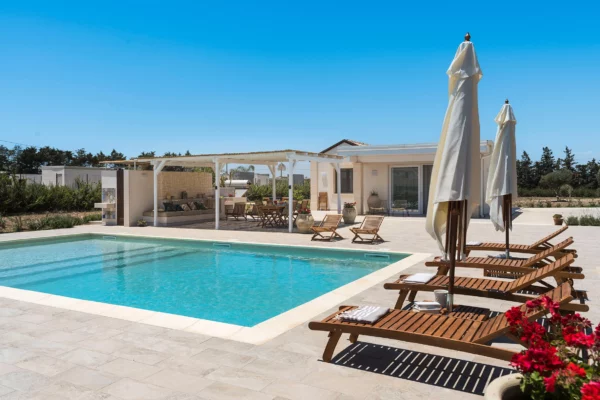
(50, 353)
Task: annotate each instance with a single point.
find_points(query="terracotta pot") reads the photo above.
(374, 201)
(505, 388)
(349, 215)
(304, 222)
(558, 221)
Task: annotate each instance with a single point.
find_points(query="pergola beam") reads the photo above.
(157, 168)
(291, 165)
(217, 167)
(273, 183)
(338, 186)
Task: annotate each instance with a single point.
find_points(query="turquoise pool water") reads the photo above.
(233, 283)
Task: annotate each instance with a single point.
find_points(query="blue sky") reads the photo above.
(220, 76)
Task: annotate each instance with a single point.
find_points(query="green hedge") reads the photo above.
(584, 220)
(19, 196)
(541, 192)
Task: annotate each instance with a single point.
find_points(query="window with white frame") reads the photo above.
(346, 177)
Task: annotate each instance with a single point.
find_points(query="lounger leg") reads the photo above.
(334, 337)
(401, 297)
(412, 296)
(353, 337)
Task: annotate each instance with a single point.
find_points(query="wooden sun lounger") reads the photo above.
(369, 226)
(460, 334)
(513, 268)
(518, 290)
(534, 248)
(327, 229)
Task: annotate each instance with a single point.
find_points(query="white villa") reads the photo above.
(400, 174)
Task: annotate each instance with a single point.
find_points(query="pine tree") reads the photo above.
(569, 160)
(524, 172)
(547, 162)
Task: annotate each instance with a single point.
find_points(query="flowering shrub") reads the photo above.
(349, 205)
(304, 211)
(561, 362)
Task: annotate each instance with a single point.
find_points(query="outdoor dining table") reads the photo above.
(272, 215)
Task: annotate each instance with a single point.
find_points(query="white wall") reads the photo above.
(89, 175)
(70, 175)
(139, 195)
(49, 177)
(32, 178)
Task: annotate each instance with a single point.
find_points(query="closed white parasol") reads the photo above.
(502, 179)
(455, 180)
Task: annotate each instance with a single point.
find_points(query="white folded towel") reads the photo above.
(474, 243)
(421, 277)
(427, 305)
(364, 314)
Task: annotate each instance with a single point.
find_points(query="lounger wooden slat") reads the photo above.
(495, 288)
(426, 325)
(404, 320)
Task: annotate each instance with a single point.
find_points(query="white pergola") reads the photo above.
(268, 158)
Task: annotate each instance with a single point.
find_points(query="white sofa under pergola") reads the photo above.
(269, 158)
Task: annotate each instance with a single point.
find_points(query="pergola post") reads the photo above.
(157, 168)
(273, 172)
(339, 188)
(291, 165)
(217, 193)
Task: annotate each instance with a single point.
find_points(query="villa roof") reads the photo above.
(258, 157)
(345, 141)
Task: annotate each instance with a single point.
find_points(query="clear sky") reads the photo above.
(216, 76)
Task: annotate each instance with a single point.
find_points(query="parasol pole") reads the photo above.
(507, 207)
(452, 233)
(507, 219)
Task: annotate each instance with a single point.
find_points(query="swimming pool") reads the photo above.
(234, 283)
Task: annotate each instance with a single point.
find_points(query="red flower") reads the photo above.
(535, 303)
(579, 339)
(541, 358)
(550, 383)
(514, 316)
(590, 391)
(576, 370)
(551, 306)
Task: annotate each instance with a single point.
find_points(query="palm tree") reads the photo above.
(249, 168)
(281, 168)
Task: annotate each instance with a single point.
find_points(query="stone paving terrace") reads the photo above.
(52, 353)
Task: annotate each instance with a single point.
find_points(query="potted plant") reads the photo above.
(562, 361)
(374, 201)
(142, 223)
(349, 213)
(304, 221)
(558, 219)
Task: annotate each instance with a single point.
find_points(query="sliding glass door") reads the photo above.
(405, 188)
(427, 170)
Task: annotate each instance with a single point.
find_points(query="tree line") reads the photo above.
(30, 159)
(562, 175)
